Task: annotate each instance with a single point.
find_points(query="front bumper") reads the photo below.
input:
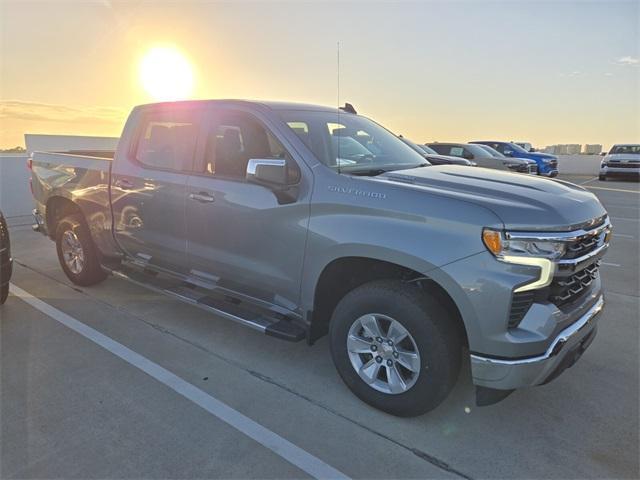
(564, 351)
(619, 171)
(549, 173)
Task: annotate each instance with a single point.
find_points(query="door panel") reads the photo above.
(241, 236)
(245, 240)
(149, 216)
(148, 186)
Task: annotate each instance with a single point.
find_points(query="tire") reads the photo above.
(4, 293)
(432, 330)
(73, 234)
(602, 178)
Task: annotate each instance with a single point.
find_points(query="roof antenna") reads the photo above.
(338, 93)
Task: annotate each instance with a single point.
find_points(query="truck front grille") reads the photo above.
(624, 165)
(583, 246)
(565, 290)
(588, 242)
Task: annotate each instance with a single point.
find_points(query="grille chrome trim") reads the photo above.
(572, 236)
(565, 290)
(584, 258)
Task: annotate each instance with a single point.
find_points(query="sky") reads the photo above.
(545, 72)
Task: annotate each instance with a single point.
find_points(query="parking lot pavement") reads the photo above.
(72, 409)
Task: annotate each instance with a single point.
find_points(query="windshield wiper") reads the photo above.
(374, 171)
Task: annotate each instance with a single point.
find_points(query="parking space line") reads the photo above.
(610, 264)
(624, 219)
(588, 181)
(274, 442)
(623, 235)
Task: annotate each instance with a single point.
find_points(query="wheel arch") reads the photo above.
(343, 274)
(58, 207)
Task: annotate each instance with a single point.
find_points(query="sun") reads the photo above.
(166, 74)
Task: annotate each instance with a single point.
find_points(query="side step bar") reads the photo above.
(270, 323)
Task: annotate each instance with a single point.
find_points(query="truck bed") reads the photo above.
(80, 177)
(83, 159)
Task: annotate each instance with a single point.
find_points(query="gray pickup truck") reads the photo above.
(301, 221)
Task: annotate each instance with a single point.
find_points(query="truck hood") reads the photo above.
(522, 202)
(448, 159)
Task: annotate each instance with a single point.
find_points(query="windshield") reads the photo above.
(428, 150)
(517, 148)
(351, 143)
(629, 149)
(476, 150)
(492, 151)
(421, 149)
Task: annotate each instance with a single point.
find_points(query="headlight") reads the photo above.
(603, 163)
(525, 252)
(500, 246)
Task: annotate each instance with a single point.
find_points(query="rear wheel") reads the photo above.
(77, 253)
(602, 178)
(395, 347)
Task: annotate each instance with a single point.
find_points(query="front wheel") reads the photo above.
(395, 347)
(602, 178)
(77, 253)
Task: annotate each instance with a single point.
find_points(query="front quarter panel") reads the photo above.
(396, 223)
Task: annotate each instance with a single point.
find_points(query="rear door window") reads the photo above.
(168, 139)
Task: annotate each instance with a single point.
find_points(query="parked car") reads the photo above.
(479, 155)
(520, 165)
(622, 160)
(526, 145)
(244, 209)
(6, 262)
(434, 158)
(547, 163)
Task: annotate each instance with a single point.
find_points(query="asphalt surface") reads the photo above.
(72, 409)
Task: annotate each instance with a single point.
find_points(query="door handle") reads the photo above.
(124, 184)
(202, 197)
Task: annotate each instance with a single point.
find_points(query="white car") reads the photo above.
(622, 160)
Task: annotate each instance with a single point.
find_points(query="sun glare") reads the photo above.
(166, 74)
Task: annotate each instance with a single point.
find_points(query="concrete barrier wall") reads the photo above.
(579, 164)
(36, 142)
(16, 202)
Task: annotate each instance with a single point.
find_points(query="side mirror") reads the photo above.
(269, 171)
(508, 153)
(603, 154)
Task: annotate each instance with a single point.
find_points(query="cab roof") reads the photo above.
(272, 105)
